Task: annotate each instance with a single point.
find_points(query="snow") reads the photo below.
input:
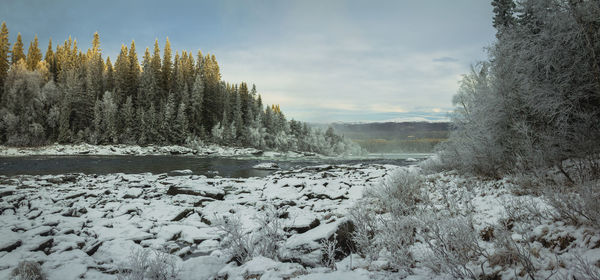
(86, 226)
(87, 149)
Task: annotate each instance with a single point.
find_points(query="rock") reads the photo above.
(197, 190)
(6, 193)
(182, 215)
(11, 246)
(93, 248)
(45, 246)
(266, 166)
(183, 172)
(315, 223)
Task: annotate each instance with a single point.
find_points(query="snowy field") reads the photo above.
(88, 226)
(101, 226)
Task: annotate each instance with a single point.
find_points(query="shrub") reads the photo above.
(149, 264)
(454, 246)
(28, 270)
(266, 241)
(399, 193)
(578, 205)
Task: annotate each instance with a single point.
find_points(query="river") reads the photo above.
(209, 166)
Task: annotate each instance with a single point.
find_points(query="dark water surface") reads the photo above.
(210, 166)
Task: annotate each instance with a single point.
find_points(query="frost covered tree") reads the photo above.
(536, 102)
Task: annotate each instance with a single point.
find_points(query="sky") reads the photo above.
(320, 60)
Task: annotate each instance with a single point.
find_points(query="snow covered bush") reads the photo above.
(149, 264)
(400, 193)
(329, 249)
(28, 270)
(454, 246)
(242, 245)
(385, 221)
(365, 228)
(578, 205)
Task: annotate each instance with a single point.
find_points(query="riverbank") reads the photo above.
(89, 225)
(286, 225)
(120, 149)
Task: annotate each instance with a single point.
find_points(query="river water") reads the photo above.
(209, 166)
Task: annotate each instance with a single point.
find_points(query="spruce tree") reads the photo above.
(167, 69)
(4, 51)
(50, 60)
(180, 127)
(17, 51)
(34, 55)
(122, 71)
(196, 99)
(133, 78)
(109, 76)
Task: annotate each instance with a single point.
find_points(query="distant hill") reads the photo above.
(395, 136)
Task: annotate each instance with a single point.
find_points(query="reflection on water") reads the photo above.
(226, 167)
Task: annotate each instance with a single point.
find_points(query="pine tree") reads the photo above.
(133, 80)
(127, 116)
(148, 83)
(197, 96)
(95, 70)
(167, 70)
(109, 76)
(166, 120)
(180, 127)
(50, 60)
(122, 71)
(4, 51)
(17, 51)
(34, 55)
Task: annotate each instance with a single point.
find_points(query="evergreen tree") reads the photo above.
(17, 51)
(180, 127)
(197, 96)
(95, 70)
(133, 77)
(4, 51)
(109, 76)
(122, 75)
(167, 69)
(34, 55)
(126, 121)
(148, 83)
(50, 60)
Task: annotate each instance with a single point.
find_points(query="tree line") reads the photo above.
(70, 96)
(536, 101)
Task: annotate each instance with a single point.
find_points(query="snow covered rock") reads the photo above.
(267, 166)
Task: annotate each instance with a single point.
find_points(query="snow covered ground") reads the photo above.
(86, 149)
(89, 226)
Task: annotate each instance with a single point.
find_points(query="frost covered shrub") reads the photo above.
(266, 241)
(399, 193)
(390, 234)
(329, 249)
(149, 264)
(27, 270)
(509, 253)
(578, 205)
(584, 269)
(365, 227)
(454, 246)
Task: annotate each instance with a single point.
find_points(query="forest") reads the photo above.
(69, 95)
